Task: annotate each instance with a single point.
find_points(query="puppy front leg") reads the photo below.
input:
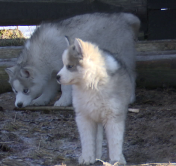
(49, 93)
(87, 131)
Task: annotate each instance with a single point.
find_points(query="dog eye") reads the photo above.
(25, 91)
(70, 66)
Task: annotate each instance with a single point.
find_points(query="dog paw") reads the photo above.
(39, 102)
(86, 160)
(121, 161)
(62, 102)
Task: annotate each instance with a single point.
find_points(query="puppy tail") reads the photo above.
(133, 21)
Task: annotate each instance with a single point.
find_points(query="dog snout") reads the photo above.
(20, 105)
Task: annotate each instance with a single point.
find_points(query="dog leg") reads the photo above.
(99, 141)
(87, 131)
(114, 132)
(66, 97)
(48, 94)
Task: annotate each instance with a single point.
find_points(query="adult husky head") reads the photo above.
(24, 85)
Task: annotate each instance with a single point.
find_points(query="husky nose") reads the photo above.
(58, 77)
(20, 105)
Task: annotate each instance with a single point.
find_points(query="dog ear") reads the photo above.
(26, 72)
(10, 71)
(68, 41)
(78, 46)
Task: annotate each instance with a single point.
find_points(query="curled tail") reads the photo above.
(133, 21)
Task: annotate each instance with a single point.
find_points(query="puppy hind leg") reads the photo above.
(87, 131)
(114, 133)
(99, 141)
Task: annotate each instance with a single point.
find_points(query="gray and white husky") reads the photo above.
(102, 89)
(33, 77)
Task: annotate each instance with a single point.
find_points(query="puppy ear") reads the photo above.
(78, 46)
(26, 72)
(10, 71)
(67, 39)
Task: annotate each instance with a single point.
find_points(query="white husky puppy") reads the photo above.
(33, 77)
(102, 89)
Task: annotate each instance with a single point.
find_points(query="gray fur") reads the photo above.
(42, 53)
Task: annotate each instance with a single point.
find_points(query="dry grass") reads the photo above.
(117, 164)
(12, 42)
(10, 34)
(52, 138)
(11, 37)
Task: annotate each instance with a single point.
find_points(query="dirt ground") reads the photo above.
(44, 138)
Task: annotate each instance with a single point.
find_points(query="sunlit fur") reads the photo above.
(89, 71)
(102, 90)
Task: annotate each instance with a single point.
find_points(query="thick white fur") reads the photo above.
(100, 100)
